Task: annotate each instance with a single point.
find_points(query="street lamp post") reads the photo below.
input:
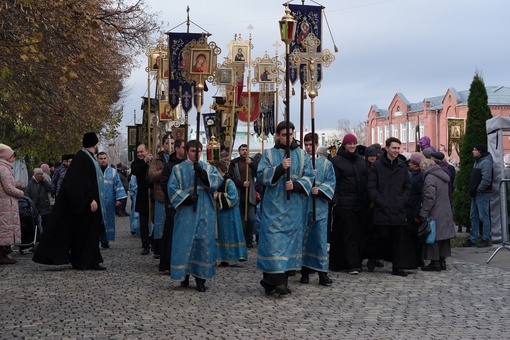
(287, 33)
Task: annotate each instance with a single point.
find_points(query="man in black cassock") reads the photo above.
(72, 233)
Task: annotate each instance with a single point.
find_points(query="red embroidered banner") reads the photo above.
(255, 108)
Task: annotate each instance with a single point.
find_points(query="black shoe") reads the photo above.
(468, 243)
(249, 245)
(200, 284)
(421, 263)
(459, 229)
(371, 265)
(483, 244)
(305, 279)
(379, 264)
(105, 246)
(442, 263)
(133, 233)
(433, 266)
(157, 256)
(290, 273)
(96, 267)
(145, 251)
(324, 279)
(268, 289)
(281, 290)
(399, 272)
(185, 283)
(223, 264)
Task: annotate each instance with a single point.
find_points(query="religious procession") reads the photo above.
(306, 208)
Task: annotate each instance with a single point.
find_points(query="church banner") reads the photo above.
(178, 86)
(308, 20)
(254, 106)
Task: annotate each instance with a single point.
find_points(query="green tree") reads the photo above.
(478, 113)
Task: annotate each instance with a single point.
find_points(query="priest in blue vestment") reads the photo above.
(194, 237)
(113, 192)
(231, 244)
(283, 220)
(315, 242)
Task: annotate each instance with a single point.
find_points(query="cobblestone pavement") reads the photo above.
(133, 300)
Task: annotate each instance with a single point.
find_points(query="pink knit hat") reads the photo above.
(45, 167)
(5, 151)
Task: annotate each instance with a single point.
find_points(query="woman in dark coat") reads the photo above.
(436, 206)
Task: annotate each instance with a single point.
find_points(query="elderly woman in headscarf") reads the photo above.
(436, 206)
(10, 230)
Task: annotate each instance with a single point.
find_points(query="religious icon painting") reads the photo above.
(264, 73)
(166, 67)
(225, 76)
(201, 61)
(239, 53)
(155, 61)
(179, 132)
(166, 112)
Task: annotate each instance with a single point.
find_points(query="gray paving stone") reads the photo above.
(133, 300)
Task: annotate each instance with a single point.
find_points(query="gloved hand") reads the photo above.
(192, 198)
(200, 171)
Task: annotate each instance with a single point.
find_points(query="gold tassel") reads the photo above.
(293, 91)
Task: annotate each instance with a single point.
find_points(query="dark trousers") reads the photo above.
(346, 239)
(391, 244)
(144, 231)
(247, 224)
(166, 241)
(275, 279)
(102, 237)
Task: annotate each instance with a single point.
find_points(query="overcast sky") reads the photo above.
(417, 47)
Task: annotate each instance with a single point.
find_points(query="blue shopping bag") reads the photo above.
(431, 238)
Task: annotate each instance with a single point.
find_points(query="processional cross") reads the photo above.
(312, 59)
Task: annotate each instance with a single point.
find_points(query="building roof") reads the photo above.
(497, 95)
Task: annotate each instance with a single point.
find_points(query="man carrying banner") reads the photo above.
(282, 220)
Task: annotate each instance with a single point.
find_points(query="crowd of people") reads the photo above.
(304, 209)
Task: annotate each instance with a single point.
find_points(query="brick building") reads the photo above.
(441, 118)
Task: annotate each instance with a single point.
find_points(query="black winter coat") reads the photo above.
(140, 169)
(413, 204)
(351, 181)
(389, 186)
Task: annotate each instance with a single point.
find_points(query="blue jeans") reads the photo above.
(480, 211)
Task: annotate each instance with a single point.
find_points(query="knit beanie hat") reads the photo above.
(427, 153)
(5, 152)
(437, 156)
(90, 139)
(370, 151)
(45, 167)
(321, 150)
(416, 158)
(349, 138)
(482, 148)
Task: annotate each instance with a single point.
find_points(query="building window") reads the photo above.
(403, 132)
(386, 131)
(394, 129)
(380, 136)
(422, 128)
(372, 137)
(411, 132)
